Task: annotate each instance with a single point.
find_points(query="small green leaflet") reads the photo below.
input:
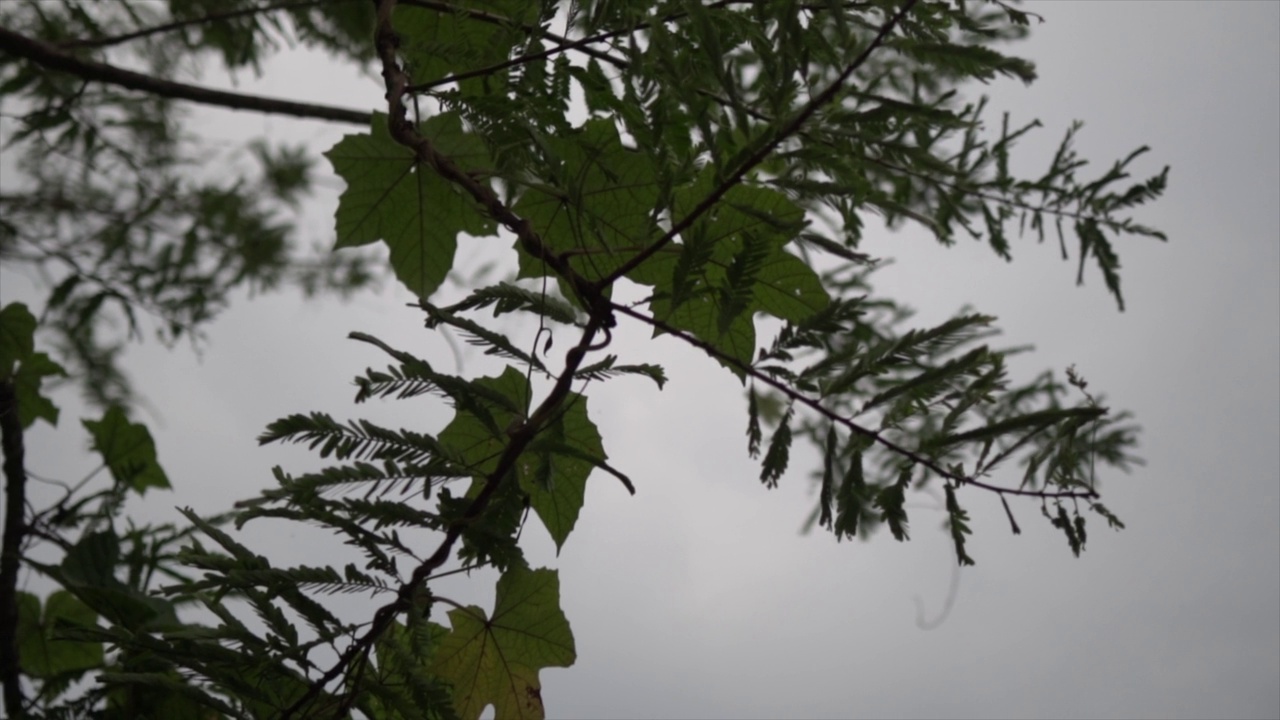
(890, 500)
(496, 660)
(958, 522)
(605, 369)
(391, 196)
(128, 451)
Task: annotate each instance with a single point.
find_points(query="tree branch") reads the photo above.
(179, 24)
(51, 57)
(797, 396)
(15, 492)
(405, 133)
(762, 152)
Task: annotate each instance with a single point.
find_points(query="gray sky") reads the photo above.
(699, 598)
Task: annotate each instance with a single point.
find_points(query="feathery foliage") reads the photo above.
(713, 163)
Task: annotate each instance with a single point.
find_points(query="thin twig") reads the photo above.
(799, 397)
(51, 57)
(180, 24)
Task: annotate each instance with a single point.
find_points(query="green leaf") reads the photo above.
(88, 571)
(43, 653)
(495, 660)
(1092, 240)
(780, 283)
(17, 337)
(479, 335)
(438, 43)
(1033, 421)
(555, 467)
(606, 369)
(754, 434)
(958, 522)
(393, 197)
(506, 298)
(729, 266)
(890, 501)
(1073, 530)
(128, 451)
(600, 209)
(827, 490)
(32, 404)
(852, 499)
(778, 454)
(478, 442)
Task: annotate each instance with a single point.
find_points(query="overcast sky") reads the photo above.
(699, 597)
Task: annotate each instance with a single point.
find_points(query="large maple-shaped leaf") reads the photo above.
(127, 450)
(393, 197)
(478, 435)
(730, 265)
(601, 206)
(555, 468)
(495, 660)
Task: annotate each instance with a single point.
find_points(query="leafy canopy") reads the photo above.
(699, 170)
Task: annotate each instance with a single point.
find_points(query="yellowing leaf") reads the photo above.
(495, 661)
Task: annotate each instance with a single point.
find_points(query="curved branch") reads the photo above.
(51, 57)
(831, 415)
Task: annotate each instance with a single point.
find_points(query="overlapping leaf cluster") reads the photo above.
(681, 168)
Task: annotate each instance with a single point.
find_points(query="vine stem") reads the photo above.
(799, 397)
